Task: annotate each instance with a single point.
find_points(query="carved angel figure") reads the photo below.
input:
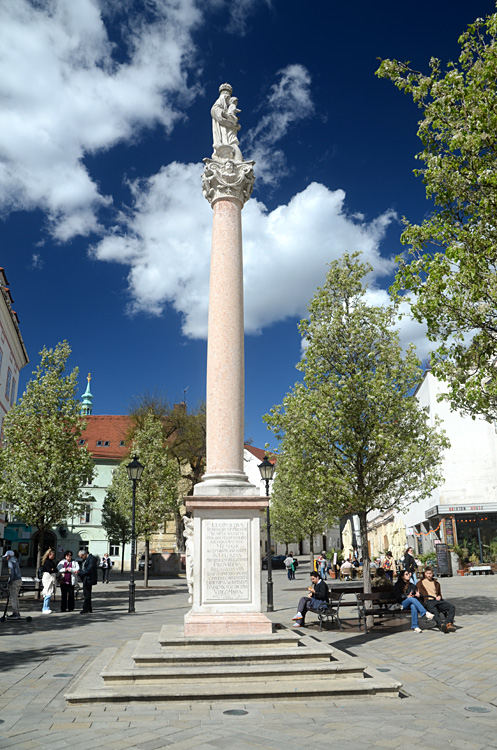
(188, 534)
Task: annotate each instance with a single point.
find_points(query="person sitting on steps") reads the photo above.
(318, 594)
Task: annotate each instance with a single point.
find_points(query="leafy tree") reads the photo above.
(450, 278)
(42, 467)
(157, 491)
(352, 428)
(116, 518)
(297, 510)
(185, 434)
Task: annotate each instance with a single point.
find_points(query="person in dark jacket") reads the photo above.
(407, 595)
(88, 575)
(318, 594)
(431, 593)
(409, 564)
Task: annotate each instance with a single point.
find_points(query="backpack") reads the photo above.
(39, 573)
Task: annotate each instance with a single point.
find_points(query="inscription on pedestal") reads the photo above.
(226, 570)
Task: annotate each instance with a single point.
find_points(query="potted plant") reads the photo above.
(332, 571)
(461, 555)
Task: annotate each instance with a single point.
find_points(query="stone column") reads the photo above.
(226, 507)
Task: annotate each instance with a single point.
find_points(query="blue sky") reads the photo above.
(104, 123)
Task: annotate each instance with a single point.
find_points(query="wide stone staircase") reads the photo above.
(169, 667)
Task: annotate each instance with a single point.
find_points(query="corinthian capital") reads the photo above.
(228, 179)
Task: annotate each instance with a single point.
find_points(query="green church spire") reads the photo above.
(86, 404)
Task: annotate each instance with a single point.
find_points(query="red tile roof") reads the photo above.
(259, 453)
(107, 428)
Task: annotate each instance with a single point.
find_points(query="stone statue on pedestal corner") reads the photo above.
(188, 534)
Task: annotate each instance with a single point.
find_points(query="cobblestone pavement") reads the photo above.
(443, 675)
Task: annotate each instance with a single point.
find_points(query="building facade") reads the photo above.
(13, 357)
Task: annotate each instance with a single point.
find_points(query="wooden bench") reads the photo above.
(380, 603)
(485, 570)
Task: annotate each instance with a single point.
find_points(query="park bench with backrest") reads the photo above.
(379, 604)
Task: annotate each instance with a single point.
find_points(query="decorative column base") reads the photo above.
(243, 623)
(227, 566)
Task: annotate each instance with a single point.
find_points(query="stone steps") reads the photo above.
(144, 670)
(122, 669)
(281, 638)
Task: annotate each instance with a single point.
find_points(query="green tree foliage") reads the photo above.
(352, 428)
(157, 491)
(298, 510)
(185, 434)
(116, 518)
(450, 277)
(42, 467)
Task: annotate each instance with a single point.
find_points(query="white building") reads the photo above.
(463, 510)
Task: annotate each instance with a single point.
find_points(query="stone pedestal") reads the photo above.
(227, 590)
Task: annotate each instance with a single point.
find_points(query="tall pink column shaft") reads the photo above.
(225, 352)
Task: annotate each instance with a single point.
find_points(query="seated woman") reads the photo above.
(317, 596)
(406, 594)
(380, 582)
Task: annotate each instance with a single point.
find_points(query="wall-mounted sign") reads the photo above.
(433, 511)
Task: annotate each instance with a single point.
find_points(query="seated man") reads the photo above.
(431, 593)
(317, 596)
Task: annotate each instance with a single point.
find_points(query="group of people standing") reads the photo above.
(65, 574)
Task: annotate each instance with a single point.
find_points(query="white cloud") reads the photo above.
(290, 101)
(285, 250)
(64, 96)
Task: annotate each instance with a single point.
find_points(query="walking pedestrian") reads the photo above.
(409, 564)
(49, 570)
(106, 566)
(322, 565)
(14, 583)
(289, 564)
(68, 569)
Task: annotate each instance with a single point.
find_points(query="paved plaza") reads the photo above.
(443, 676)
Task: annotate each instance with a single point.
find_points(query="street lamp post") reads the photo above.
(267, 471)
(135, 470)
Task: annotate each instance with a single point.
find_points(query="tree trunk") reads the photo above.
(145, 572)
(311, 546)
(178, 520)
(366, 575)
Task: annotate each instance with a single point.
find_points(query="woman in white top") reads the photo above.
(68, 569)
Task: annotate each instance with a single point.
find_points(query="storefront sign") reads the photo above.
(432, 512)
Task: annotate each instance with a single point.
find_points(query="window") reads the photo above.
(12, 393)
(81, 442)
(84, 546)
(85, 516)
(106, 443)
(9, 382)
(99, 442)
(114, 549)
(122, 443)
